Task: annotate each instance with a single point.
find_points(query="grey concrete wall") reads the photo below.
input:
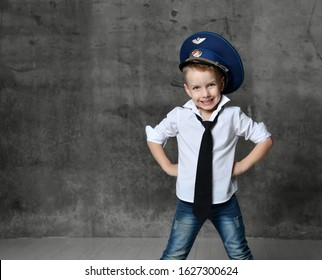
(79, 80)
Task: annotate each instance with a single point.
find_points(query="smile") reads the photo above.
(207, 101)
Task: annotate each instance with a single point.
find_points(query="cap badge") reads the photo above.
(196, 53)
(198, 40)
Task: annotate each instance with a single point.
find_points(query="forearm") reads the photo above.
(256, 155)
(162, 159)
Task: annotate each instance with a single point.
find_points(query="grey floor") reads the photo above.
(53, 248)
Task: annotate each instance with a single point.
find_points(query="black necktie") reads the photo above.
(203, 187)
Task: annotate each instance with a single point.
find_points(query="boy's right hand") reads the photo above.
(171, 169)
(162, 159)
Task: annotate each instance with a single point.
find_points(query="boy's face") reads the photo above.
(204, 87)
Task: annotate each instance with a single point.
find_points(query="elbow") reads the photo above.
(269, 142)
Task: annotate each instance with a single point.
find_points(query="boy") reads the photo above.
(207, 131)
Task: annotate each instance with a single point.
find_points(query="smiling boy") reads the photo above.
(211, 69)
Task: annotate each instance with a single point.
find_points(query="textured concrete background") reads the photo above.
(79, 80)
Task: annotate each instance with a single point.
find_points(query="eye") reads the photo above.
(212, 85)
(195, 87)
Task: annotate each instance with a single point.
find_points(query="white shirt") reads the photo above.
(182, 123)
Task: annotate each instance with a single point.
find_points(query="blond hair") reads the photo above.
(203, 67)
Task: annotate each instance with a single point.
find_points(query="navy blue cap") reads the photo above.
(211, 48)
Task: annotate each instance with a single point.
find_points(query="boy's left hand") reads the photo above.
(258, 153)
(238, 169)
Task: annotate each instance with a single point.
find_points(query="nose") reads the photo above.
(205, 92)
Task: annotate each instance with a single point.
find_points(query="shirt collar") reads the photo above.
(191, 105)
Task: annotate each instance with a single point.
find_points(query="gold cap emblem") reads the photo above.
(196, 53)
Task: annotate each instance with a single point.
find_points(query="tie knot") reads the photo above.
(207, 124)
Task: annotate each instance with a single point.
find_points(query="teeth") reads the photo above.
(207, 100)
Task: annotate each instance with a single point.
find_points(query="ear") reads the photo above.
(222, 83)
(187, 89)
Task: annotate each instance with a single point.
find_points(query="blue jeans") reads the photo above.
(227, 219)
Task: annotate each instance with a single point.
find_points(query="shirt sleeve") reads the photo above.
(167, 128)
(250, 130)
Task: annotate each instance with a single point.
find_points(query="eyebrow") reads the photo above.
(211, 82)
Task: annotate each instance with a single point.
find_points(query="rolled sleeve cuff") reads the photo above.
(262, 134)
(153, 136)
